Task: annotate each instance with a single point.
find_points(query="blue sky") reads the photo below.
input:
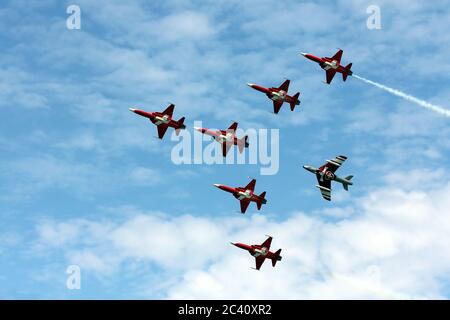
(84, 181)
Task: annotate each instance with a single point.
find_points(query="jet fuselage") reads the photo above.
(221, 135)
(159, 118)
(327, 175)
(275, 94)
(328, 63)
(257, 250)
(242, 193)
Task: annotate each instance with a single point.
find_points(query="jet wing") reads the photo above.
(330, 75)
(251, 185)
(337, 56)
(267, 243)
(162, 128)
(225, 148)
(259, 261)
(244, 205)
(277, 106)
(333, 165)
(325, 189)
(285, 85)
(233, 126)
(169, 110)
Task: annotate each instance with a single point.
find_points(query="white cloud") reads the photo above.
(392, 246)
(145, 176)
(400, 235)
(57, 234)
(17, 90)
(34, 174)
(410, 179)
(186, 25)
(82, 141)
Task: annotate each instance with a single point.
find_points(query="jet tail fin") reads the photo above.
(345, 185)
(180, 126)
(263, 200)
(347, 72)
(276, 257)
(294, 101)
(242, 143)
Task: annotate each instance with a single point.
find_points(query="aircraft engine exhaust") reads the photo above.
(398, 93)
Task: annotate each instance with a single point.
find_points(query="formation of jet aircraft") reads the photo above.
(261, 252)
(245, 195)
(227, 138)
(279, 95)
(331, 65)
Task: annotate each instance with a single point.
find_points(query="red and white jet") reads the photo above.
(163, 120)
(331, 65)
(279, 95)
(245, 195)
(226, 138)
(261, 252)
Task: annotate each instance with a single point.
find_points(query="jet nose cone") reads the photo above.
(305, 167)
(198, 129)
(303, 54)
(131, 109)
(250, 84)
(217, 185)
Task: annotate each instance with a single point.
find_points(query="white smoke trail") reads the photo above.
(408, 97)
